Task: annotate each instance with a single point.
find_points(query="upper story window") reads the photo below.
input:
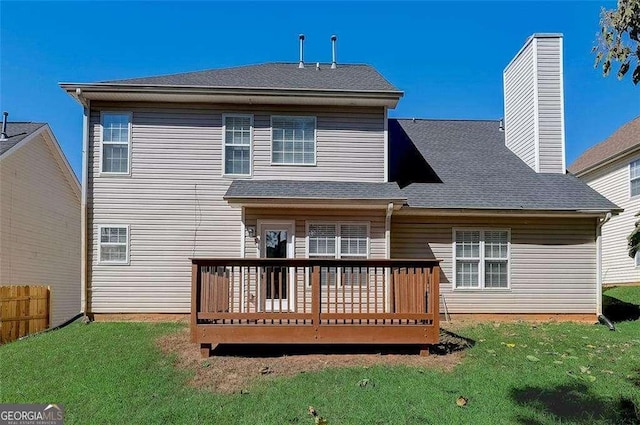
(634, 177)
(293, 140)
(238, 138)
(116, 142)
(481, 259)
(114, 244)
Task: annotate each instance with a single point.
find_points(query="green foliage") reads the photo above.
(634, 239)
(619, 39)
(107, 373)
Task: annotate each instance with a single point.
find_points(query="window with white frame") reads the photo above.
(114, 244)
(481, 259)
(634, 178)
(237, 144)
(293, 140)
(344, 240)
(116, 142)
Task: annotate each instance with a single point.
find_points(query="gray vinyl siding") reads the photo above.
(534, 105)
(613, 182)
(172, 200)
(519, 107)
(40, 227)
(550, 105)
(552, 263)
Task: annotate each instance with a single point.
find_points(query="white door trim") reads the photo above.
(290, 227)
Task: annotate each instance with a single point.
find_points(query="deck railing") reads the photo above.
(230, 296)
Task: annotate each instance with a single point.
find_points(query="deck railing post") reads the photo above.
(195, 272)
(315, 297)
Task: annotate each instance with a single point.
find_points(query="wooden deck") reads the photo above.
(325, 301)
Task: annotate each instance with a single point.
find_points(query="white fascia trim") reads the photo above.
(386, 145)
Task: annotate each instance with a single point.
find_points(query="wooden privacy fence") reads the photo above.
(23, 310)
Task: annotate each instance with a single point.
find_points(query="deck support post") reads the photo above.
(205, 350)
(424, 351)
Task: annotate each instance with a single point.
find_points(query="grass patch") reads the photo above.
(516, 373)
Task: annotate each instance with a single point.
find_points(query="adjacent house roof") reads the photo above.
(445, 164)
(22, 133)
(473, 169)
(313, 190)
(625, 139)
(276, 75)
(17, 131)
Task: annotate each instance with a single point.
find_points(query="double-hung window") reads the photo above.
(238, 135)
(481, 259)
(634, 178)
(116, 142)
(344, 240)
(293, 140)
(113, 244)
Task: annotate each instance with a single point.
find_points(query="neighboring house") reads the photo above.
(39, 217)
(280, 161)
(612, 167)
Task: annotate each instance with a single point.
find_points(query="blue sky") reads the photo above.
(447, 57)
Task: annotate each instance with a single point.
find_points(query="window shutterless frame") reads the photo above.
(127, 143)
(224, 145)
(315, 140)
(482, 260)
(338, 241)
(127, 244)
(634, 176)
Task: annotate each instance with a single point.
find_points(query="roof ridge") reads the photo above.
(230, 67)
(26, 122)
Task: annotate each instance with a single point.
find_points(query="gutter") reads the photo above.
(601, 222)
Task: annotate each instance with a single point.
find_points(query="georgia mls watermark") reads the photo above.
(31, 414)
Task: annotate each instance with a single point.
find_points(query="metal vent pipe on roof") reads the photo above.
(3, 135)
(301, 64)
(333, 52)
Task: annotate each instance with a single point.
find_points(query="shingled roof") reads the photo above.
(17, 131)
(625, 139)
(276, 75)
(475, 170)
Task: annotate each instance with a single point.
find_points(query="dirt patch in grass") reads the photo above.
(234, 368)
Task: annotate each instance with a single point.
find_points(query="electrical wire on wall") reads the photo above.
(197, 219)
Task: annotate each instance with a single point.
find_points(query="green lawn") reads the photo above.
(515, 373)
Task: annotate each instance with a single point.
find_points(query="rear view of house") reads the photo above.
(39, 216)
(309, 212)
(612, 167)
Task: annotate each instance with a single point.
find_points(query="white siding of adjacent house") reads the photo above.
(534, 105)
(173, 199)
(612, 181)
(552, 264)
(40, 226)
(550, 104)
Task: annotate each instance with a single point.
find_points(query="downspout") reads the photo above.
(601, 222)
(387, 237)
(84, 278)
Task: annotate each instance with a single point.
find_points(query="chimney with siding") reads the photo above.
(534, 104)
